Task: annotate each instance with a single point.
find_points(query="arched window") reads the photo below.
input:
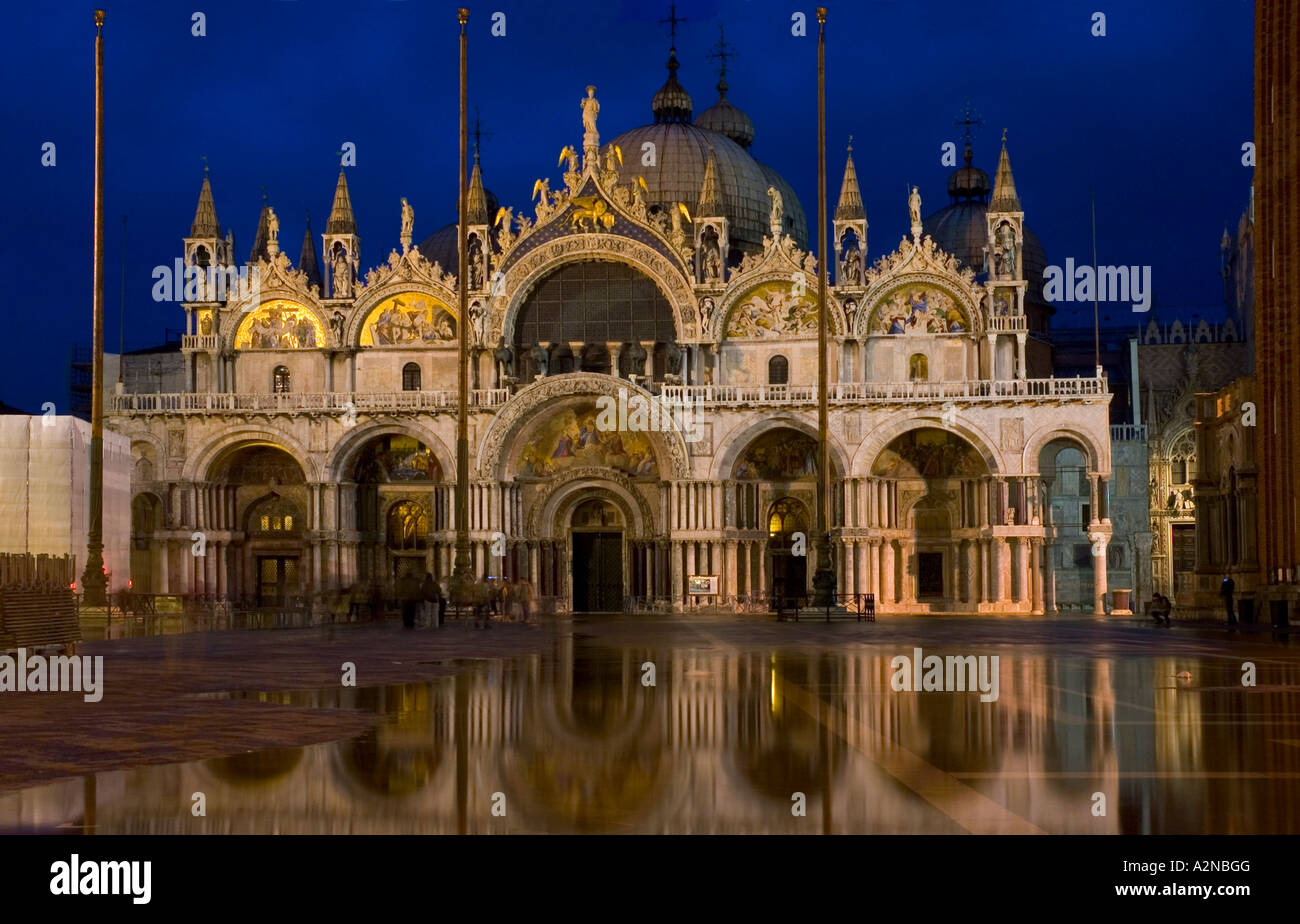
(918, 368)
(778, 371)
(408, 527)
(273, 515)
(280, 380)
(411, 377)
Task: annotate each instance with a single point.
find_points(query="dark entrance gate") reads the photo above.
(277, 579)
(929, 574)
(598, 572)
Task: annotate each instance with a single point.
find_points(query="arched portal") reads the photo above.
(596, 531)
(787, 548)
(268, 565)
(403, 509)
(931, 515)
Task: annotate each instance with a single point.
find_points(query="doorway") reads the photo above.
(598, 572)
(277, 579)
(929, 574)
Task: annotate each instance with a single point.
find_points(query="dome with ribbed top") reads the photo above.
(725, 119)
(682, 149)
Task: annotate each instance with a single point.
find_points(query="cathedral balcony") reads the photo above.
(200, 342)
(1032, 390)
(1012, 324)
(294, 403)
(1128, 433)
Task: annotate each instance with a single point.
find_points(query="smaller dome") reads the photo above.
(967, 181)
(726, 119)
(443, 246)
(672, 103)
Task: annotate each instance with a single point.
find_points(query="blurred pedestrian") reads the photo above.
(408, 597)
(429, 597)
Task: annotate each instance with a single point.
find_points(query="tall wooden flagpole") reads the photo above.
(93, 580)
(462, 577)
(824, 578)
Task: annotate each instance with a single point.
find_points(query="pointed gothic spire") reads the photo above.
(476, 208)
(205, 216)
(1004, 185)
(850, 204)
(710, 197)
(341, 220)
(307, 259)
(260, 251)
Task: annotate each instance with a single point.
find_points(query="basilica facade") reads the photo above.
(314, 446)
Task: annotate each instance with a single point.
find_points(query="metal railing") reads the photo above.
(845, 606)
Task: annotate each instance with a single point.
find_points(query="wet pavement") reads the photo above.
(669, 724)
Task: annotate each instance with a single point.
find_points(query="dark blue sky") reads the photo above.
(1153, 115)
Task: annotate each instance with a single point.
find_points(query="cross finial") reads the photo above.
(721, 51)
(850, 144)
(672, 20)
(970, 118)
(263, 188)
(479, 132)
(204, 158)
(1004, 136)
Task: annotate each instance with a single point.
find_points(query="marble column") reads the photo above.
(887, 571)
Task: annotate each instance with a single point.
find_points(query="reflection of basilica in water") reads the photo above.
(575, 743)
(313, 445)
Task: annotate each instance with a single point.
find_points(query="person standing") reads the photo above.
(408, 596)
(1226, 591)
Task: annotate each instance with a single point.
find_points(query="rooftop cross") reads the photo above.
(721, 51)
(672, 20)
(970, 118)
(479, 132)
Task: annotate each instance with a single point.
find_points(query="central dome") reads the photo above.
(681, 154)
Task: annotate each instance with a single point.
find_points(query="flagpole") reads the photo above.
(824, 578)
(93, 580)
(462, 577)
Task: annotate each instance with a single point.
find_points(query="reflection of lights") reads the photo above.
(774, 682)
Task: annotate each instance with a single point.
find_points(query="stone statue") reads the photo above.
(569, 154)
(712, 263)
(336, 324)
(914, 206)
(778, 210)
(674, 354)
(478, 320)
(504, 235)
(1006, 242)
(590, 109)
(272, 226)
(342, 275)
(636, 357)
(706, 312)
(504, 358)
(541, 358)
(475, 263)
(542, 193)
(408, 218)
(853, 267)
